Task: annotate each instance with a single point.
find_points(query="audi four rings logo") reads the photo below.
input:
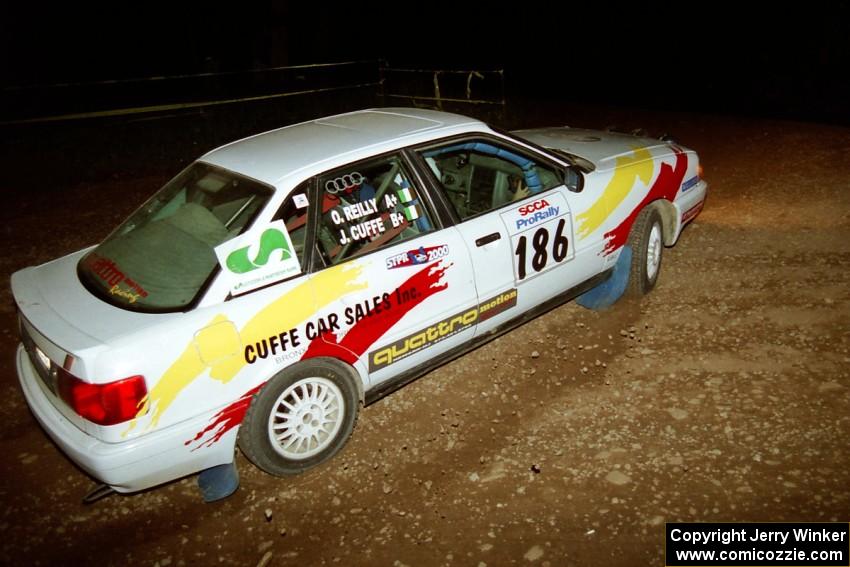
(345, 182)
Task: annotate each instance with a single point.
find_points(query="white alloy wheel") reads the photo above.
(653, 251)
(646, 240)
(306, 418)
(302, 417)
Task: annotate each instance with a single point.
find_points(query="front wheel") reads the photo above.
(301, 418)
(647, 243)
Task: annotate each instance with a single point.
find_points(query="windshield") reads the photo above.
(160, 258)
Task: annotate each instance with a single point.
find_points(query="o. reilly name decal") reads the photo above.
(441, 330)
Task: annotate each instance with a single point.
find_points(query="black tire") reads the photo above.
(321, 399)
(647, 243)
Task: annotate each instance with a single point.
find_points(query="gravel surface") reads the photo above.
(721, 396)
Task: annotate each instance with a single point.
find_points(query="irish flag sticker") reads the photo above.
(411, 213)
(404, 195)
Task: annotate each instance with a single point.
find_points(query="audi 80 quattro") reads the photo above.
(281, 281)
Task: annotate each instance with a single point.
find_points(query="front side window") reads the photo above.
(160, 258)
(480, 176)
(366, 206)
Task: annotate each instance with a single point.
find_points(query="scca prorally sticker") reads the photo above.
(541, 232)
(421, 255)
(258, 258)
(533, 212)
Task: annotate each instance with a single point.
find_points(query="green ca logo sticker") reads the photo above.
(271, 240)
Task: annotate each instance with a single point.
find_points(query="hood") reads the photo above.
(598, 147)
(54, 301)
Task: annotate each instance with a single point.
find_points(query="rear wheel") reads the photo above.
(647, 243)
(301, 418)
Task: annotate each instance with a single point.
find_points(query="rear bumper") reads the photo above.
(136, 464)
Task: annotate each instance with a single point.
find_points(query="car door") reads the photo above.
(408, 290)
(517, 220)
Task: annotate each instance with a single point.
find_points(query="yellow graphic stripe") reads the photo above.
(291, 309)
(627, 171)
(283, 313)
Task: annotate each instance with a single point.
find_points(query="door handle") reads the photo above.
(487, 239)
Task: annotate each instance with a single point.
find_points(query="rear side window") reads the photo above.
(295, 214)
(160, 258)
(367, 206)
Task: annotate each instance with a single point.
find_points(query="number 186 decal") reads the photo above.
(540, 231)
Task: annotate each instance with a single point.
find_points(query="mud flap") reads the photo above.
(219, 482)
(99, 492)
(607, 293)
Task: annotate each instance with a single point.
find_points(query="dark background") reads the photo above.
(748, 59)
(731, 57)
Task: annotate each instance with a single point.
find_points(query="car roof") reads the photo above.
(273, 155)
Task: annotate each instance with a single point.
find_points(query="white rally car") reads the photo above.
(281, 281)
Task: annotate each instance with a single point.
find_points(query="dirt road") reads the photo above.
(722, 396)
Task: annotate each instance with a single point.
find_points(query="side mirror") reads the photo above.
(573, 179)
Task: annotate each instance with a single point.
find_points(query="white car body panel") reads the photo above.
(54, 298)
(604, 149)
(600, 148)
(128, 466)
(452, 289)
(202, 366)
(322, 144)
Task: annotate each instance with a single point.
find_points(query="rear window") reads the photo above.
(161, 257)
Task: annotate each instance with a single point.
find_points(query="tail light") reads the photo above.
(104, 404)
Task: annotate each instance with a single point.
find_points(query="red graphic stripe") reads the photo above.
(665, 187)
(226, 419)
(416, 289)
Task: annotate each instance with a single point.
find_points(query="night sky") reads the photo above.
(771, 61)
